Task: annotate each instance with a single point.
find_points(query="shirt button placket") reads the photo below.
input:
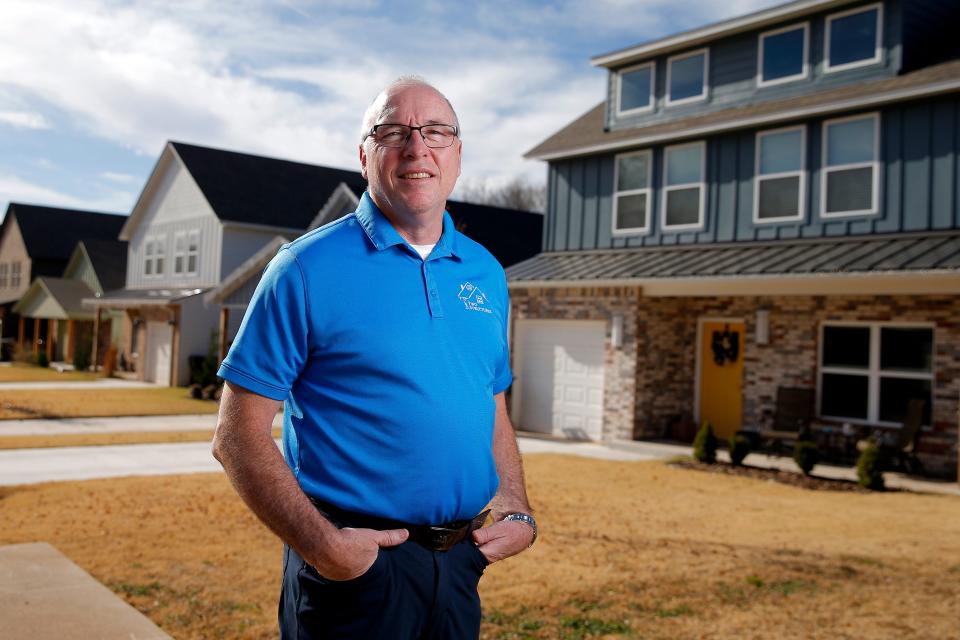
(433, 296)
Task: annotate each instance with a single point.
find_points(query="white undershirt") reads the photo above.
(423, 249)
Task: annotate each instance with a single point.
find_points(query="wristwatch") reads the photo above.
(527, 518)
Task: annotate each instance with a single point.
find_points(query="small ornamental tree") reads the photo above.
(705, 445)
(806, 455)
(739, 448)
(870, 468)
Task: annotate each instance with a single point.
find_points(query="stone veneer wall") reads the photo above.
(595, 303)
(649, 382)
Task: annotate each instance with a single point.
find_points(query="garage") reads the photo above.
(558, 386)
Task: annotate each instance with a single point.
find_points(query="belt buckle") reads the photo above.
(442, 538)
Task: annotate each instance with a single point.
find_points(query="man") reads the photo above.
(384, 334)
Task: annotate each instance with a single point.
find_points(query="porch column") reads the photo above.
(71, 338)
(36, 336)
(21, 331)
(222, 338)
(52, 326)
(94, 356)
(175, 349)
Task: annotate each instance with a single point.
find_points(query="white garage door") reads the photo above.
(159, 351)
(561, 377)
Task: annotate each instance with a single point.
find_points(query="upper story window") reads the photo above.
(3, 275)
(853, 38)
(783, 55)
(14, 274)
(186, 251)
(631, 200)
(154, 252)
(780, 176)
(684, 190)
(687, 77)
(849, 184)
(635, 89)
(870, 371)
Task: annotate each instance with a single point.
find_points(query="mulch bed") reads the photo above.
(813, 483)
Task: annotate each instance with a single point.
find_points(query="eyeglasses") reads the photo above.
(435, 136)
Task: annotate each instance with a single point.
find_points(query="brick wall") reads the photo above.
(649, 381)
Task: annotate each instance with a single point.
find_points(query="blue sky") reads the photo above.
(91, 89)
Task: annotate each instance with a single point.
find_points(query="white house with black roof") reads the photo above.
(787, 181)
(205, 225)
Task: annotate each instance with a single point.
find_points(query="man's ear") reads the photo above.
(363, 162)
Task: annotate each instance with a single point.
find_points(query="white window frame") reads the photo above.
(704, 90)
(877, 47)
(667, 189)
(805, 71)
(874, 165)
(183, 253)
(4, 270)
(653, 84)
(873, 373)
(15, 269)
(160, 252)
(628, 192)
(802, 173)
(193, 237)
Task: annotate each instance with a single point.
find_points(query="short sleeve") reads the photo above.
(272, 344)
(504, 377)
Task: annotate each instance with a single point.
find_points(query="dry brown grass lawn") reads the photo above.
(638, 550)
(21, 372)
(87, 403)
(96, 439)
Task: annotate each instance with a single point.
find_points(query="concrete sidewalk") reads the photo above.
(45, 596)
(103, 383)
(124, 424)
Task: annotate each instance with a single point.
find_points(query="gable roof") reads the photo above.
(51, 233)
(588, 133)
(109, 260)
(509, 234)
(66, 295)
(245, 188)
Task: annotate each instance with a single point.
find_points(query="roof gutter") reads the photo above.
(859, 102)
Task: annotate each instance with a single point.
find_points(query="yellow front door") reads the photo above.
(721, 375)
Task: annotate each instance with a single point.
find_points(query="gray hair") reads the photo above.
(378, 107)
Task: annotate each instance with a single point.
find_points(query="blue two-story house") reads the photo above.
(770, 201)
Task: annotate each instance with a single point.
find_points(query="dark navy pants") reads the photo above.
(410, 593)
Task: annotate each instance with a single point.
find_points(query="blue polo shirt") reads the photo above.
(387, 363)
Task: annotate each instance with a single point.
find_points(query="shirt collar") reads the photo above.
(383, 235)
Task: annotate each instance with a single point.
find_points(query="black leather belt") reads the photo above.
(441, 537)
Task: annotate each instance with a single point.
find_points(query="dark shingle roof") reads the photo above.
(256, 190)
(879, 254)
(109, 258)
(510, 235)
(588, 131)
(68, 294)
(51, 233)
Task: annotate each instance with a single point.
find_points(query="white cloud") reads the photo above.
(16, 189)
(123, 178)
(24, 119)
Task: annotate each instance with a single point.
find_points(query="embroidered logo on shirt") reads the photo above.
(473, 299)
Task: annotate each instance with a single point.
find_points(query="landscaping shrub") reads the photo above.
(42, 359)
(806, 455)
(23, 355)
(81, 355)
(870, 468)
(203, 369)
(739, 448)
(705, 444)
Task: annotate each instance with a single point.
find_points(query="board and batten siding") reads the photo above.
(919, 187)
(81, 269)
(733, 71)
(175, 205)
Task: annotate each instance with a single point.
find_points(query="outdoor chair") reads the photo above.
(792, 415)
(902, 445)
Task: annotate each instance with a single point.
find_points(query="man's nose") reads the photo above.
(415, 144)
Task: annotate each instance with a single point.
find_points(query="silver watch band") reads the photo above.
(526, 518)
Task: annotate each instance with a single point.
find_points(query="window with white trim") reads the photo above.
(853, 38)
(631, 199)
(687, 77)
(14, 274)
(635, 89)
(778, 192)
(783, 55)
(3, 275)
(186, 246)
(851, 152)
(154, 251)
(684, 190)
(870, 371)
